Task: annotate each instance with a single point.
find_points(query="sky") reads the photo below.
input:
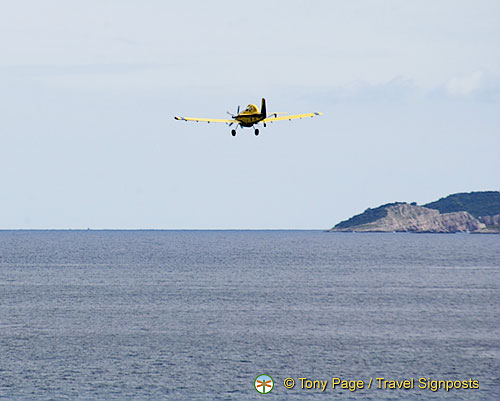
(409, 91)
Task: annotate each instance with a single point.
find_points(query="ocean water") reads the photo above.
(198, 315)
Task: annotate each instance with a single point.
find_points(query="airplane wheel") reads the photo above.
(256, 132)
(233, 132)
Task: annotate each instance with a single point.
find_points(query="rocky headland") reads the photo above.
(475, 212)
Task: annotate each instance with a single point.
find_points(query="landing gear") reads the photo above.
(256, 131)
(233, 132)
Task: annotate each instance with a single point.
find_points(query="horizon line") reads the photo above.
(163, 229)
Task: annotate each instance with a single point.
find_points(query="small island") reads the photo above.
(474, 212)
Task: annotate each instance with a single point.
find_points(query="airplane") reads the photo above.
(249, 117)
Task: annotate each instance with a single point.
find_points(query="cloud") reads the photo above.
(398, 89)
(465, 85)
(481, 85)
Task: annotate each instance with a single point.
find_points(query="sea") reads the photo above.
(202, 315)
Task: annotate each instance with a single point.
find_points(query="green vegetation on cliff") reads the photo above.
(486, 203)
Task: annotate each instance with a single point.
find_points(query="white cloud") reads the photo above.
(465, 85)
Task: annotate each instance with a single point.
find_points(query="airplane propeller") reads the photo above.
(234, 115)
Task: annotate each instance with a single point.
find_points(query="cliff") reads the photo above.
(404, 217)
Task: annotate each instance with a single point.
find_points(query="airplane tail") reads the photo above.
(263, 108)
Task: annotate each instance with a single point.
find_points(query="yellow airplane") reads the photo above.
(249, 117)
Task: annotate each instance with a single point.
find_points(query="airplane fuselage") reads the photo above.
(249, 120)
(251, 115)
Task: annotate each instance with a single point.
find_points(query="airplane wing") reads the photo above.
(271, 119)
(205, 120)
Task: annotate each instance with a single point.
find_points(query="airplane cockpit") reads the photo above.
(251, 108)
